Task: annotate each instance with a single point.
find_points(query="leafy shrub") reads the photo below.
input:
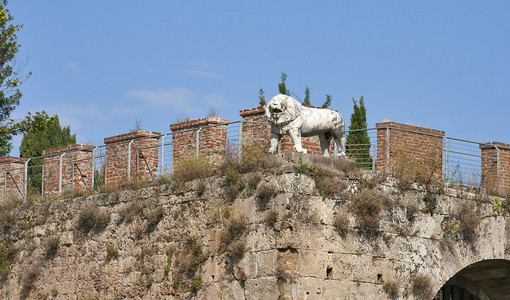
(92, 218)
(390, 287)
(366, 206)
(7, 254)
(196, 284)
(112, 252)
(188, 263)
(421, 287)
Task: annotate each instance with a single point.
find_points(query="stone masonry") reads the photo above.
(12, 176)
(300, 254)
(211, 134)
(408, 144)
(76, 168)
(489, 155)
(143, 156)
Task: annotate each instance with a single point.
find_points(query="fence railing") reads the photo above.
(461, 161)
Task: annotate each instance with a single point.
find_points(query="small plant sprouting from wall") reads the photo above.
(130, 211)
(422, 287)
(366, 206)
(341, 224)
(28, 280)
(265, 192)
(92, 218)
(469, 219)
(154, 216)
(112, 252)
(390, 287)
(7, 255)
(187, 265)
(51, 245)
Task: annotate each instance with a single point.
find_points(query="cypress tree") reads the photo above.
(358, 142)
(262, 99)
(307, 96)
(281, 86)
(45, 136)
(327, 102)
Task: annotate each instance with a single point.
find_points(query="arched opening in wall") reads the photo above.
(484, 280)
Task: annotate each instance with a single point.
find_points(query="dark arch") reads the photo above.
(487, 279)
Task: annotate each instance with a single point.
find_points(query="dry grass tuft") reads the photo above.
(92, 218)
(422, 287)
(366, 206)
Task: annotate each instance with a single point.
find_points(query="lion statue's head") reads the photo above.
(282, 109)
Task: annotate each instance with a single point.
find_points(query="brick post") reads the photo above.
(144, 156)
(260, 134)
(12, 176)
(76, 168)
(408, 144)
(212, 138)
(489, 153)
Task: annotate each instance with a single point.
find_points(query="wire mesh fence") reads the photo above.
(460, 162)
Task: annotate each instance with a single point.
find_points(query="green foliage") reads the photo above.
(196, 284)
(45, 133)
(262, 99)
(7, 255)
(307, 96)
(358, 142)
(10, 94)
(281, 86)
(497, 206)
(327, 102)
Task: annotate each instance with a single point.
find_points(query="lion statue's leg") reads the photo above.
(295, 136)
(325, 142)
(275, 140)
(339, 135)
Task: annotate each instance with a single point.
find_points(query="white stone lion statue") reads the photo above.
(289, 117)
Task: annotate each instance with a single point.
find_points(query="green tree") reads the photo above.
(358, 142)
(307, 96)
(46, 133)
(9, 78)
(327, 102)
(281, 86)
(262, 99)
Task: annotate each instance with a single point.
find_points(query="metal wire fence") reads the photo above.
(460, 160)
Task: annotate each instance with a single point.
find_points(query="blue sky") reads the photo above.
(100, 65)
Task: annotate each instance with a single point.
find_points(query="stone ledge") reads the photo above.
(131, 136)
(84, 147)
(197, 122)
(409, 127)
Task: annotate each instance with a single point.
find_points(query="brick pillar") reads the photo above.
(76, 168)
(144, 156)
(12, 176)
(212, 140)
(260, 134)
(416, 145)
(489, 154)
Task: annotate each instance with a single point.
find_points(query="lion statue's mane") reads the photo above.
(288, 117)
